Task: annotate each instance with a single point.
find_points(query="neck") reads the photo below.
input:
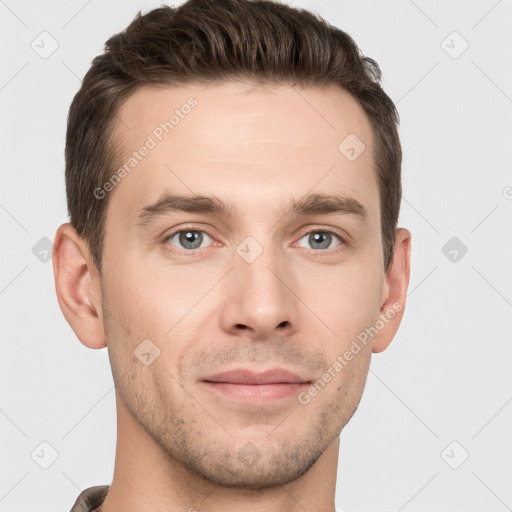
(147, 479)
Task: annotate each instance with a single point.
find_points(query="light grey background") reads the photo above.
(446, 376)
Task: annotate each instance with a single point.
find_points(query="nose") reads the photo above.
(258, 298)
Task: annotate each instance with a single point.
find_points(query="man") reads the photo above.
(233, 185)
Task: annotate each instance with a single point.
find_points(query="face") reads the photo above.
(253, 286)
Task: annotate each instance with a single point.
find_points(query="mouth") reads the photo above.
(251, 387)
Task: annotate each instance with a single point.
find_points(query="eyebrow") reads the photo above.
(313, 204)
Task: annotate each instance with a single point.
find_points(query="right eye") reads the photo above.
(187, 239)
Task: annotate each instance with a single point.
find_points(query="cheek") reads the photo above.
(139, 316)
(131, 307)
(157, 302)
(347, 299)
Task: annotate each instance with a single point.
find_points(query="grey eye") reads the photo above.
(189, 239)
(320, 239)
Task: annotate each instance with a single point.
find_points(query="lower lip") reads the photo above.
(256, 393)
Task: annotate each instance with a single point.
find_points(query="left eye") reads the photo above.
(189, 239)
(321, 239)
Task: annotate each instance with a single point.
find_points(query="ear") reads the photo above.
(394, 292)
(77, 284)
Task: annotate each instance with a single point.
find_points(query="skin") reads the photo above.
(181, 446)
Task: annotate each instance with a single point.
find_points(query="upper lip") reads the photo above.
(245, 376)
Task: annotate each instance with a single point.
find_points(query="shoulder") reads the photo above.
(90, 499)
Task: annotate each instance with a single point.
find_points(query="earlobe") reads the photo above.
(394, 291)
(77, 286)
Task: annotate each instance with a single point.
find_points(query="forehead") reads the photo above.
(248, 139)
(265, 110)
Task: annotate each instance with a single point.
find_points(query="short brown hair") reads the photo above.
(205, 40)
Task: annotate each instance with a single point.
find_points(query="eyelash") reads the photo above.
(313, 252)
